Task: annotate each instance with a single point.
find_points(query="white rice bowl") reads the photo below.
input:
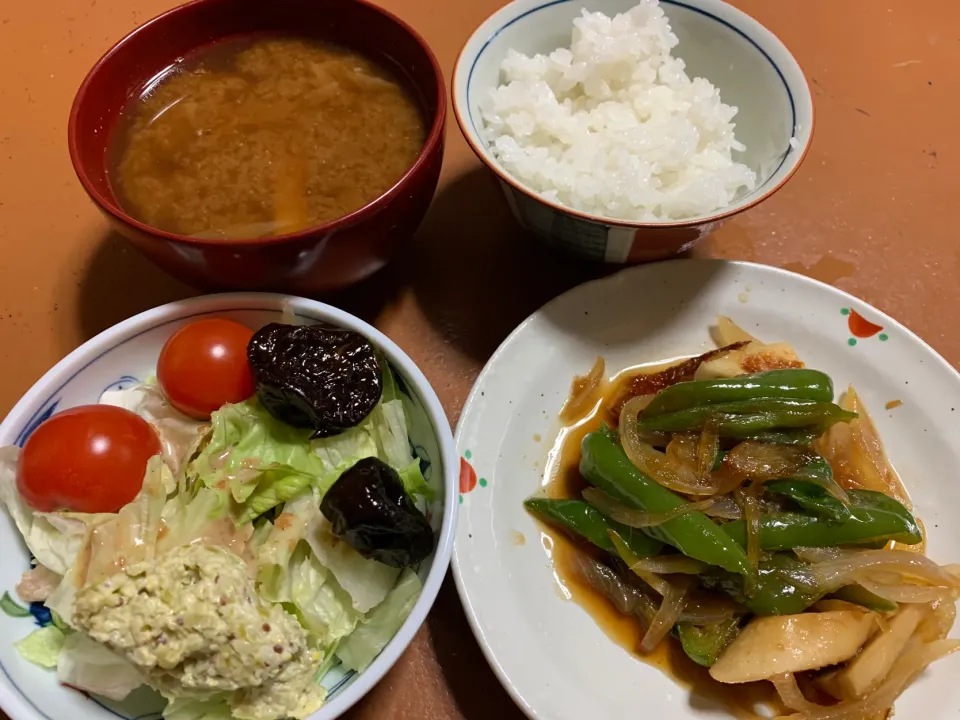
(613, 126)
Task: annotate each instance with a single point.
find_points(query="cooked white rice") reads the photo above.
(613, 126)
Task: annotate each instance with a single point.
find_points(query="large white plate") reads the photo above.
(549, 654)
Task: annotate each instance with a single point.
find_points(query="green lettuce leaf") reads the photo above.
(288, 572)
(189, 709)
(321, 605)
(414, 482)
(42, 646)
(113, 540)
(87, 665)
(130, 536)
(365, 581)
(188, 517)
(245, 437)
(341, 451)
(274, 567)
(275, 485)
(264, 462)
(391, 390)
(387, 424)
(364, 644)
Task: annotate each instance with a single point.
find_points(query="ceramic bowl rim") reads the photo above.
(17, 703)
(745, 24)
(432, 144)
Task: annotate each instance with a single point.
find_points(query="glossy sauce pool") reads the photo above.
(563, 480)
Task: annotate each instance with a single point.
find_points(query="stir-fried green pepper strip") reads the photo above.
(604, 464)
(581, 519)
(794, 436)
(874, 517)
(859, 595)
(810, 496)
(704, 643)
(797, 384)
(744, 418)
(785, 586)
(820, 472)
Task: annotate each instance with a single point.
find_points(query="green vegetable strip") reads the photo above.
(785, 586)
(703, 644)
(859, 595)
(811, 496)
(875, 517)
(59, 622)
(11, 608)
(604, 464)
(798, 384)
(795, 436)
(581, 519)
(746, 417)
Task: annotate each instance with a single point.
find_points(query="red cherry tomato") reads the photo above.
(204, 365)
(87, 459)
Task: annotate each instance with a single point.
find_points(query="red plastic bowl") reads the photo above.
(314, 260)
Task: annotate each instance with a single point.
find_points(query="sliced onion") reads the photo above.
(815, 554)
(670, 565)
(909, 593)
(625, 598)
(939, 622)
(638, 518)
(708, 445)
(662, 468)
(682, 449)
(724, 507)
(709, 610)
(851, 565)
(856, 454)
(658, 583)
(584, 393)
(633, 564)
(790, 693)
(907, 667)
(749, 501)
(667, 615)
(632, 600)
(764, 461)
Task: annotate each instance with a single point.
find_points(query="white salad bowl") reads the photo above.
(746, 62)
(127, 353)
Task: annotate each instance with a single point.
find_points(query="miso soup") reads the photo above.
(263, 136)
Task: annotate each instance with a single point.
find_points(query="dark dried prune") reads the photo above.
(369, 509)
(321, 377)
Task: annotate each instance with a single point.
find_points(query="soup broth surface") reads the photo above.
(264, 136)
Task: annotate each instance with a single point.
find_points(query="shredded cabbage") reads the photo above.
(42, 646)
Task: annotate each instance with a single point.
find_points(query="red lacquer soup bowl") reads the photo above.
(319, 258)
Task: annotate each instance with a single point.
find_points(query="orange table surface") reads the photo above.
(870, 211)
